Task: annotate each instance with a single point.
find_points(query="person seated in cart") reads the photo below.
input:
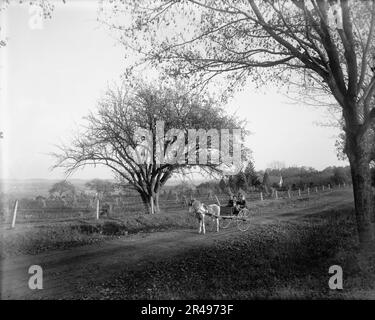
(241, 201)
(236, 205)
(232, 201)
(240, 204)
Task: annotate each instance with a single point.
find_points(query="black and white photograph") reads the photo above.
(210, 153)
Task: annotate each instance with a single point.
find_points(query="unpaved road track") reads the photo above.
(67, 273)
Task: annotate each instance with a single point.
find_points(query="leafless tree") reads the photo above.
(111, 137)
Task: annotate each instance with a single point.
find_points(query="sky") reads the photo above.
(52, 77)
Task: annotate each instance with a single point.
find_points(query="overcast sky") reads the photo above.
(52, 77)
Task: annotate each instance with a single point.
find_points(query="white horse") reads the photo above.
(201, 210)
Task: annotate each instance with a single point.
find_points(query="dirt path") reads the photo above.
(67, 273)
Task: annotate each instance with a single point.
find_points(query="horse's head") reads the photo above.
(191, 204)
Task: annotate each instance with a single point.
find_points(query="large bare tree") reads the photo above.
(123, 136)
(326, 45)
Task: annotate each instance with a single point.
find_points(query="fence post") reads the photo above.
(14, 214)
(276, 195)
(110, 210)
(289, 194)
(299, 192)
(308, 191)
(261, 196)
(97, 209)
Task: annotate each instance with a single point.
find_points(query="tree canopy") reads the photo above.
(62, 188)
(102, 187)
(122, 135)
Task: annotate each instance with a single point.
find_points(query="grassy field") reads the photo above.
(46, 235)
(287, 260)
(63, 233)
(37, 238)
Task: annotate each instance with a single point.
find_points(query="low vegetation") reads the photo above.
(273, 261)
(34, 239)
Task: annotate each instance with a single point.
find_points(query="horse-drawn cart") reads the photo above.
(224, 215)
(242, 218)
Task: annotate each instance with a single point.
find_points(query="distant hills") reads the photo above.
(30, 188)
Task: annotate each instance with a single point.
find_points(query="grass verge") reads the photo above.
(288, 260)
(35, 239)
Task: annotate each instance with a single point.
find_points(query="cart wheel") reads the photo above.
(243, 221)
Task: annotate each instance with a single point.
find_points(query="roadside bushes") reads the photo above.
(112, 228)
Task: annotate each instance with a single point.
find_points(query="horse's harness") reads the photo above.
(202, 209)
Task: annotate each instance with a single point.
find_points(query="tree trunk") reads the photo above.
(363, 197)
(151, 202)
(146, 201)
(156, 201)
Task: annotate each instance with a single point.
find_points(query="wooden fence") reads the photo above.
(27, 210)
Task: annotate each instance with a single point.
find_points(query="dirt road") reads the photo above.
(67, 273)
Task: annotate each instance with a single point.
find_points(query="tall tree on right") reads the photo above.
(331, 44)
(251, 175)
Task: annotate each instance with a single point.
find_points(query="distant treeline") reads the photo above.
(302, 177)
(248, 180)
(291, 178)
